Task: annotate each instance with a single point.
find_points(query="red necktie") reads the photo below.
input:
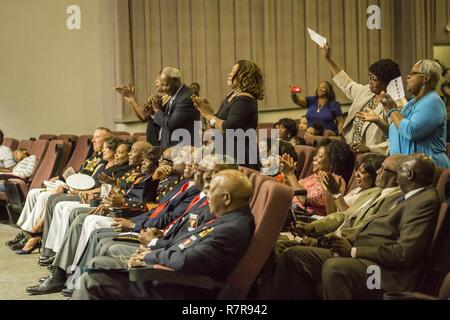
(193, 203)
(163, 205)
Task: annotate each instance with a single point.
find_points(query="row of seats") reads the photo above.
(269, 205)
(53, 158)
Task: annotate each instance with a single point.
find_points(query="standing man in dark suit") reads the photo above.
(174, 110)
(178, 112)
(212, 249)
(393, 241)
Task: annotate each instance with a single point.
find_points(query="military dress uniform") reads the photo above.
(213, 249)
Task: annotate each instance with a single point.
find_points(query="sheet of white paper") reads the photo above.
(395, 89)
(317, 38)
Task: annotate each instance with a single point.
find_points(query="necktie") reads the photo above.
(192, 204)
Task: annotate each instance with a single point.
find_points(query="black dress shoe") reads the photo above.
(67, 292)
(47, 262)
(20, 236)
(41, 280)
(48, 286)
(18, 245)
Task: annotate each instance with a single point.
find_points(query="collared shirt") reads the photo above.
(6, 157)
(411, 193)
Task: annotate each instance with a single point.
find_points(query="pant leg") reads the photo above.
(119, 249)
(64, 222)
(346, 279)
(90, 249)
(65, 257)
(51, 203)
(299, 271)
(38, 211)
(29, 205)
(92, 223)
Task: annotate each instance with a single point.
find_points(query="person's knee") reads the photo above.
(334, 267)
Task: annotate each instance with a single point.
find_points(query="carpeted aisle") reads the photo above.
(18, 272)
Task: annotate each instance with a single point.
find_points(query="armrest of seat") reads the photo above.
(174, 277)
(7, 177)
(407, 295)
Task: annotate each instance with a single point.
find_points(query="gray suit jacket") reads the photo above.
(397, 237)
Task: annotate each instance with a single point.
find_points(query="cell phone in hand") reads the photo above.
(296, 89)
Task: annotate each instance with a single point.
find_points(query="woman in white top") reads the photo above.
(361, 135)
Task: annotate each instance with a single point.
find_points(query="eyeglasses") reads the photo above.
(383, 169)
(413, 73)
(165, 159)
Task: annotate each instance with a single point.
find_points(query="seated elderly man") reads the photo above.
(349, 221)
(212, 249)
(84, 223)
(395, 240)
(196, 213)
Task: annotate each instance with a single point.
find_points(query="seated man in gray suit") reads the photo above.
(212, 249)
(393, 242)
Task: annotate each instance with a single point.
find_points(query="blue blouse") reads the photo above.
(327, 114)
(424, 129)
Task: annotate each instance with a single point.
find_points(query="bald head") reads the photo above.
(138, 152)
(230, 190)
(416, 171)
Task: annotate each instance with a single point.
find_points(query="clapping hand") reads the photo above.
(101, 210)
(328, 182)
(287, 164)
(369, 116)
(202, 105)
(155, 102)
(162, 172)
(104, 178)
(126, 91)
(359, 148)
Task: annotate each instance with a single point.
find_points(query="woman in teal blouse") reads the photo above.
(421, 125)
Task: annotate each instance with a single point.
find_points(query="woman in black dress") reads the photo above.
(239, 110)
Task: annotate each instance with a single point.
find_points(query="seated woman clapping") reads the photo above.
(334, 158)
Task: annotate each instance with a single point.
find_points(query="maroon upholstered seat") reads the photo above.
(25, 144)
(80, 153)
(11, 143)
(305, 156)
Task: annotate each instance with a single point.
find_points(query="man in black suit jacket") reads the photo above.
(212, 249)
(178, 112)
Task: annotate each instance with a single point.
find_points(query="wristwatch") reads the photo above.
(212, 122)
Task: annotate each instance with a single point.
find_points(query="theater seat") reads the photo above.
(17, 189)
(82, 151)
(136, 135)
(11, 143)
(270, 211)
(25, 144)
(126, 137)
(118, 133)
(442, 183)
(71, 138)
(48, 137)
(257, 180)
(305, 156)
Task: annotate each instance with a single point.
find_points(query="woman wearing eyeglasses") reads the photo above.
(421, 125)
(364, 136)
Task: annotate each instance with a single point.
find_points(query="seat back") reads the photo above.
(11, 143)
(49, 164)
(82, 151)
(257, 180)
(39, 148)
(443, 184)
(118, 133)
(126, 137)
(305, 156)
(142, 138)
(269, 211)
(136, 135)
(48, 137)
(25, 144)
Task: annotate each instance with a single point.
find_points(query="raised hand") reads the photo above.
(387, 101)
(202, 105)
(126, 91)
(326, 51)
(359, 148)
(287, 164)
(328, 182)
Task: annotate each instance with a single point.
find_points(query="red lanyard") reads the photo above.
(163, 205)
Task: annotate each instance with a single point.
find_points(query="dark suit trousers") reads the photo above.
(302, 269)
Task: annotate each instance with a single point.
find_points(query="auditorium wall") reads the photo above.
(55, 80)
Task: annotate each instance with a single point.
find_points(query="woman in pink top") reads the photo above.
(333, 158)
